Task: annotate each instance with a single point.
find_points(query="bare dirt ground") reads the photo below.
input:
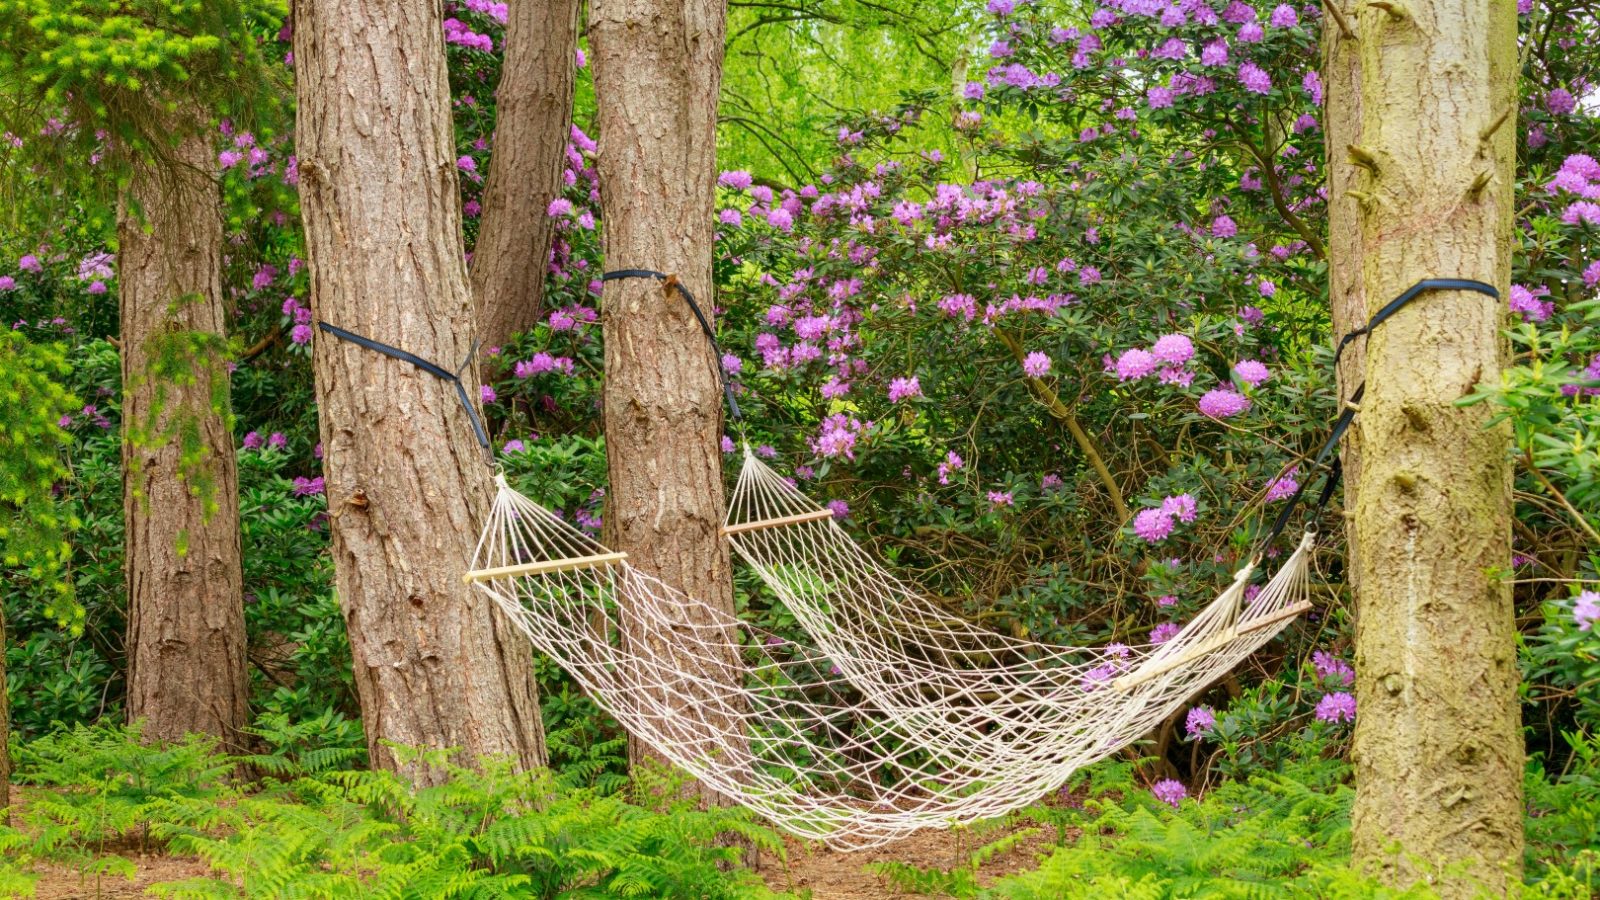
(833, 875)
(62, 882)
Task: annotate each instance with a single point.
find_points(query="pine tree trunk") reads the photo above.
(533, 121)
(1438, 747)
(435, 664)
(657, 67)
(186, 635)
(1347, 300)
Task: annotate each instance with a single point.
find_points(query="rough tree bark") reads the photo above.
(1347, 300)
(657, 67)
(435, 664)
(533, 120)
(186, 636)
(1438, 748)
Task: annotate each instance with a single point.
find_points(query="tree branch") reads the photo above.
(1052, 401)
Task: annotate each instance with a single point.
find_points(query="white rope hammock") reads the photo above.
(902, 717)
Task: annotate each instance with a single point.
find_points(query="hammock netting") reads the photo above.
(896, 716)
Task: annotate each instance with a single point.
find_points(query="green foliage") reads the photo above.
(33, 528)
(493, 833)
(323, 832)
(310, 747)
(96, 78)
(103, 784)
(183, 359)
(1283, 834)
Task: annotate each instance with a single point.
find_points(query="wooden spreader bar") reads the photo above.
(795, 519)
(1215, 642)
(1287, 612)
(545, 567)
(1153, 670)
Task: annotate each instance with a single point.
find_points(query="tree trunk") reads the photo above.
(1438, 747)
(657, 67)
(533, 121)
(1347, 300)
(186, 635)
(436, 665)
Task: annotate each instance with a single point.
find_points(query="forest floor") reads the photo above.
(833, 875)
(811, 866)
(59, 881)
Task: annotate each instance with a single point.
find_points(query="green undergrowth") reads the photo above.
(308, 830)
(310, 826)
(1280, 834)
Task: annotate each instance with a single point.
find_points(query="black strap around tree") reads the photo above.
(431, 368)
(1342, 424)
(705, 325)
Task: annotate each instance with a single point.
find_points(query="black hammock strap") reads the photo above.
(433, 369)
(1341, 425)
(699, 315)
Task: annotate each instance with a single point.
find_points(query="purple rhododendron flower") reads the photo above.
(904, 389)
(1036, 365)
(306, 487)
(1586, 611)
(1135, 363)
(1183, 506)
(1175, 349)
(253, 440)
(1152, 524)
(1170, 792)
(1284, 487)
(1328, 666)
(1337, 707)
(737, 179)
(839, 508)
(1251, 372)
(1200, 722)
(1255, 79)
(1222, 403)
(1526, 302)
(1164, 632)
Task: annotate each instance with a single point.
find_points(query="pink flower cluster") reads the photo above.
(543, 362)
(1580, 175)
(1168, 356)
(1154, 524)
(458, 32)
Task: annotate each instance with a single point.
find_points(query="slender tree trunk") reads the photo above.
(1438, 747)
(657, 67)
(186, 636)
(1347, 300)
(533, 122)
(435, 664)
